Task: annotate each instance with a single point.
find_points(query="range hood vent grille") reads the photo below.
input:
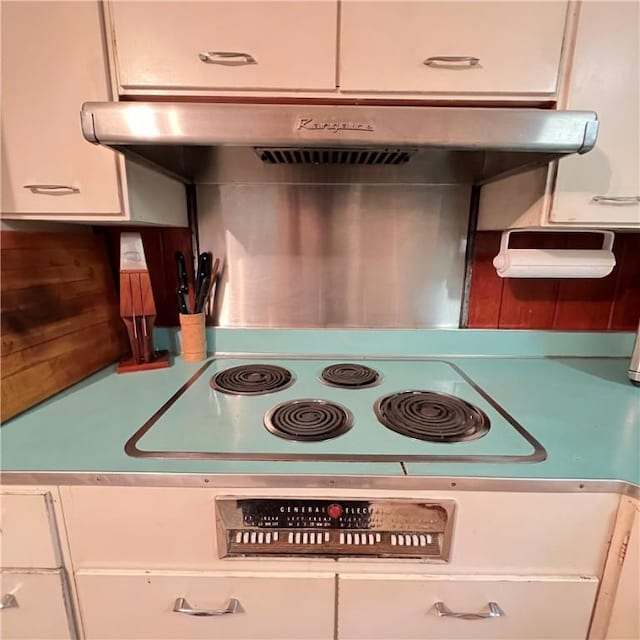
(351, 156)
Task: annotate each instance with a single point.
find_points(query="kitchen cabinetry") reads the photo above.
(451, 47)
(34, 605)
(617, 615)
(134, 574)
(34, 592)
(53, 60)
(602, 188)
(140, 573)
(473, 50)
(205, 46)
(494, 607)
(624, 622)
(27, 512)
(278, 606)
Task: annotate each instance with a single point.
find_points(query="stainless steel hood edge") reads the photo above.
(511, 140)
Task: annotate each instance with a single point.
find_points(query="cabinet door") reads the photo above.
(53, 60)
(187, 45)
(401, 607)
(27, 531)
(624, 623)
(136, 605)
(34, 605)
(604, 78)
(517, 46)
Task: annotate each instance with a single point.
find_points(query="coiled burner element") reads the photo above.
(349, 375)
(432, 416)
(252, 379)
(308, 420)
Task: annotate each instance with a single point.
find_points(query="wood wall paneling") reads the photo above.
(563, 304)
(59, 320)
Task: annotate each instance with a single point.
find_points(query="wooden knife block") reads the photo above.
(138, 312)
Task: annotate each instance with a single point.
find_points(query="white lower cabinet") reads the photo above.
(34, 605)
(372, 607)
(137, 605)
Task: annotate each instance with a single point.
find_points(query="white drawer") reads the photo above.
(27, 531)
(291, 45)
(136, 605)
(401, 608)
(34, 605)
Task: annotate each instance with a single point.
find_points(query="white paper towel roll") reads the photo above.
(555, 263)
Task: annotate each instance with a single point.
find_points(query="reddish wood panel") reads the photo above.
(485, 296)
(626, 305)
(585, 303)
(160, 245)
(530, 303)
(539, 303)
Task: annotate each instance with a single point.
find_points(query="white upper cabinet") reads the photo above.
(202, 46)
(602, 188)
(54, 59)
(477, 47)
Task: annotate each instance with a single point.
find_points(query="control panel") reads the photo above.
(384, 528)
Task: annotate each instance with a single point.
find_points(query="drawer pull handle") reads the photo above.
(8, 602)
(52, 189)
(494, 612)
(182, 606)
(619, 200)
(227, 58)
(451, 61)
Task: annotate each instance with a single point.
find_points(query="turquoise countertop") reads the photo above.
(569, 390)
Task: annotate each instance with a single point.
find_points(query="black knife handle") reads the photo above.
(183, 276)
(183, 306)
(202, 275)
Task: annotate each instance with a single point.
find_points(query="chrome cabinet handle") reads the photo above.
(182, 606)
(494, 612)
(227, 58)
(619, 200)
(434, 60)
(52, 189)
(8, 601)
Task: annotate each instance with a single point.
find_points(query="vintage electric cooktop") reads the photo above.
(386, 410)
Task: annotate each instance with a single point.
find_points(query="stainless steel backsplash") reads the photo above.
(336, 255)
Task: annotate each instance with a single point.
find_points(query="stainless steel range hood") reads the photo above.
(485, 143)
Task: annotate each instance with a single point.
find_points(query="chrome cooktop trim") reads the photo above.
(539, 453)
(450, 484)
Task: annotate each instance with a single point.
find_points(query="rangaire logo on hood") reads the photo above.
(330, 125)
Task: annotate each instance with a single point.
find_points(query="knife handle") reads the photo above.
(146, 337)
(183, 305)
(183, 275)
(202, 271)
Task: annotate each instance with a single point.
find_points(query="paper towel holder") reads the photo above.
(555, 263)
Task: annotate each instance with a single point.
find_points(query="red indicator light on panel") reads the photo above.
(334, 511)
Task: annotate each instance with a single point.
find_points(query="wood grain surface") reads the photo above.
(573, 304)
(59, 320)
